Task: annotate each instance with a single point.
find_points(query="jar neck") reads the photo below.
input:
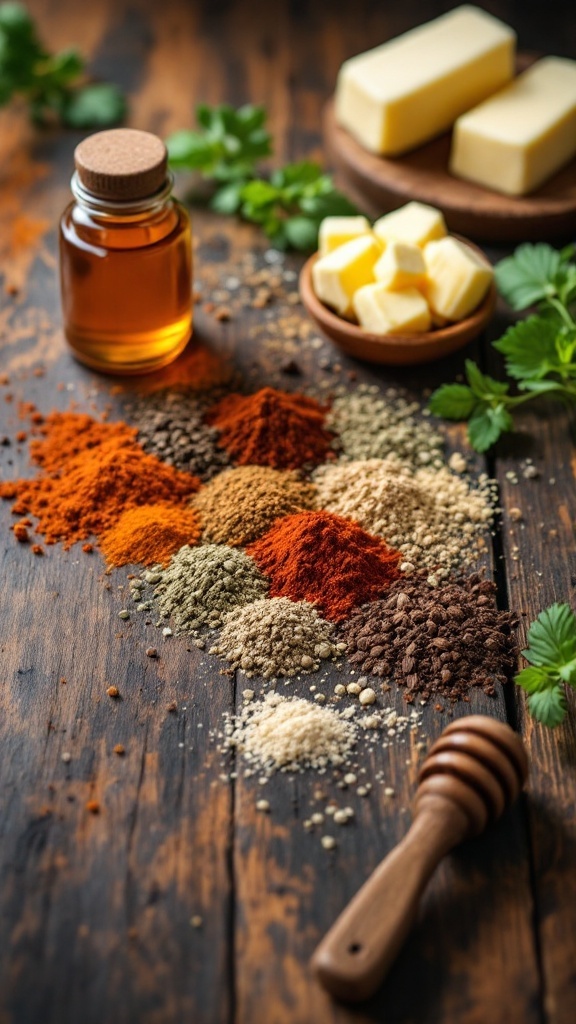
(126, 210)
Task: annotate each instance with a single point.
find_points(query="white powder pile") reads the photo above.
(432, 516)
(290, 734)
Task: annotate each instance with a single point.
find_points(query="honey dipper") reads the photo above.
(474, 770)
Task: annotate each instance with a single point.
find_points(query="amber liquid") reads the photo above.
(126, 287)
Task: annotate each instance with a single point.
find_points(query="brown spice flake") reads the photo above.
(93, 806)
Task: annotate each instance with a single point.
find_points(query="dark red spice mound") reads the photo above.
(435, 640)
(325, 559)
(272, 428)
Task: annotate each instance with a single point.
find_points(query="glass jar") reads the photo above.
(125, 256)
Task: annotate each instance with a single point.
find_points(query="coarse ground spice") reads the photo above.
(88, 487)
(199, 585)
(239, 505)
(149, 535)
(326, 560)
(431, 516)
(440, 640)
(370, 425)
(290, 734)
(276, 637)
(272, 428)
(171, 426)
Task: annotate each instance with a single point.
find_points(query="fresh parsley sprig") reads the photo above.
(50, 82)
(289, 205)
(551, 653)
(540, 352)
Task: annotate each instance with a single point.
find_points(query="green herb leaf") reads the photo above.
(528, 276)
(484, 387)
(452, 402)
(227, 146)
(487, 424)
(94, 106)
(552, 637)
(532, 679)
(530, 348)
(548, 706)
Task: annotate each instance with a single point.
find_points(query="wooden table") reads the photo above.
(96, 909)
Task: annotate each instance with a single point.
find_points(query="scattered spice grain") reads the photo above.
(324, 559)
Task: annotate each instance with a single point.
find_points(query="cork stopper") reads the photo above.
(122, 164)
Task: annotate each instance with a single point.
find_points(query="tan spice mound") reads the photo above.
(290, 734)
(150, 535)
(89, 486)
(430, 515)
(239, 505)
(272, 428)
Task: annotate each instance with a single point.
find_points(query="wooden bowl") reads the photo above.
(395, 349)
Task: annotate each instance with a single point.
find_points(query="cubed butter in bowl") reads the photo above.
(336, 231)
(397, 302)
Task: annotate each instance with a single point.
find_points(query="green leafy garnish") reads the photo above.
(289, 205)
(539, 352)
(49, 82)
(551, 653)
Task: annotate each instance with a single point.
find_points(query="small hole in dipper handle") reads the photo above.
(354, 947)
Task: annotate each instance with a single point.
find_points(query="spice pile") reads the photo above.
(290, 734)
(439, 640)
(149, 534)
(325, 559)
(239, 505)
(272, 428)
(276, 637)
(430, 515)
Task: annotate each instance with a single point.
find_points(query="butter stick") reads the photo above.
(520, 137)
(412, 88)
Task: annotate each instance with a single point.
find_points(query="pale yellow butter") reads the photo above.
(412, 88)
(336, 231)
(400, 266)
(381, 311)
(521, 136)
(414, 223)
(456, 278)
(338, 275)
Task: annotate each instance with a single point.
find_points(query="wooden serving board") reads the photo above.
(378, 184)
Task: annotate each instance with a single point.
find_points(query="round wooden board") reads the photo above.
(378, 184)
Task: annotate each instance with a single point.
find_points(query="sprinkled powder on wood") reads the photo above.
(200, 585)
(239, 505)
(435, 640)
(276, 637)
(431, 516)
(272, 428)
(327, 560)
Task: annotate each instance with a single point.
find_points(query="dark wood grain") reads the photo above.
(96, 909)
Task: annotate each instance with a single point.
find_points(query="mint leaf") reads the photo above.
(529, 275)
(532, 679)
(548, 706)
(452, 402)
(487, 424)
(530, 348)
(552, 638)
(227, 145)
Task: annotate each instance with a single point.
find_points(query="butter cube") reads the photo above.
(412, 88)
(521, 136)
(338, 275)
(415, 223)
(383, 312)
(457, 279)
(400, 266)
(336, 231)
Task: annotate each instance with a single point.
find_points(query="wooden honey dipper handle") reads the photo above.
(477, 767)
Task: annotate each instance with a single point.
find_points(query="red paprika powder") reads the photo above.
(327, 560)
(272, 428)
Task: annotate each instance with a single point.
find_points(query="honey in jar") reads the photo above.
(125, 256)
